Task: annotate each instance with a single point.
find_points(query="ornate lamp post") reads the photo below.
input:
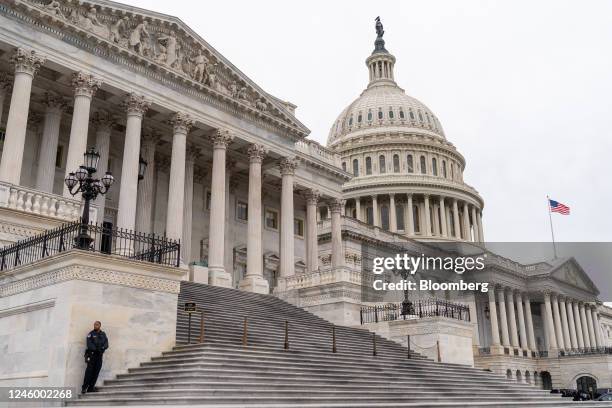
(82, 181)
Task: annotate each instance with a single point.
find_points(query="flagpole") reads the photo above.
(552, 232)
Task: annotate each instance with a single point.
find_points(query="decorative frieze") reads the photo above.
(26, 61)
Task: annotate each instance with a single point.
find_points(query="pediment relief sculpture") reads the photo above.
(165, 43)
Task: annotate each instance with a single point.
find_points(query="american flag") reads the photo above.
(557, 207)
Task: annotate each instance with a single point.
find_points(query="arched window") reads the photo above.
(370, 215)
(452, 171)
(444, 168)
(382, 168)
(351, 121)
(390, 113)
(380, 113)
(384, 217)
(344, 166)
(355, 167)
(396, 165)
(423, 165)
(369, 116)
(402, 116)
(368, 165)
(420, 116)
(410, 164)
(411, 114)
(399, 215)
(416, 220)
(359, 117)
(434, 166)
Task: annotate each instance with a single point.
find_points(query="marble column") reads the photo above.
(135, 106)
(493, 317)
(103, 123)
(85, 86)
(47, 152)
(564, 326)
(254, 280)
(443, 222)
(145, 199)
(585, 327)
(392, 213)
(216, 236)
(578, 323)
(410, 216)
(480, 229)
(427, 217)
(557, 320)
(358, 208)
(589, 320)
(192, 154)
(312, 243)
(503, 316)
(521, 321)
(528, 316)
(456, 220)
(375, 214)
(337, 260)
(181, 124)
(597, 327)
(514, 340)
(26, 65)
(572, 324)
(287, 240)
(6, 83)
(475, 225)
(466, 223)
(552, 338)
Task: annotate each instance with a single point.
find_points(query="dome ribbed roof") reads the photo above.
(397, 109)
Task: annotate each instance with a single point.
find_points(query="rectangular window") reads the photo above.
(58, 156)
(242, 211)
(271, 218)
(298, 227)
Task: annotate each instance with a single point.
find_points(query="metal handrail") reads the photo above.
(417, 309)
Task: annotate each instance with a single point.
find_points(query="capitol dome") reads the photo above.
(407, 177)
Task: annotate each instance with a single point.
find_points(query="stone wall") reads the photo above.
(47, 309)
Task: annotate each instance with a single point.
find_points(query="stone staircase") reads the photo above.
(221, 372)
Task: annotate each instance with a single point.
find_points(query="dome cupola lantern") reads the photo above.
(380, 63)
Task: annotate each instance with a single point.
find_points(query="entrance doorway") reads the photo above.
(546, 380)
(587, 384)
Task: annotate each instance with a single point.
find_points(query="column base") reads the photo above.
(255, 284)
(218, 277)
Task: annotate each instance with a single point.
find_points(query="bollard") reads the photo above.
(408, 347)
(244, 333)
(286, 335)
(333, 339)
(201, 327)
(438, 344)
(374, 344)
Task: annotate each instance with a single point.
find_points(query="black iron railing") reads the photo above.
(585, 351)
(420, 308)
(129, 244)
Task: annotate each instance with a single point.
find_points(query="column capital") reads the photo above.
(54, 102)
(312, 196)
(26, 61)
(288, 165)
(6, 81)
(150, 137)
(374, 197)
(103, 120)
(256, 153)
(136, 104)
(85, 84)
(221, 138)
(409, 195)
(192, 153)
(181, 123)
(336, 205)
(392, 195)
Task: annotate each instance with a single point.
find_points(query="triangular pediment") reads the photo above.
(571, 273)
(165, 44)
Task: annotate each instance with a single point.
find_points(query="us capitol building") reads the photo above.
(201, 155)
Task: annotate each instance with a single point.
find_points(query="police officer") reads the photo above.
(97, 343)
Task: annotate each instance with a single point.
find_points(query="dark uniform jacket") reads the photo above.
(97, 342)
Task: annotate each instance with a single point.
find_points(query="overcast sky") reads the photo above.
(522, 88)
